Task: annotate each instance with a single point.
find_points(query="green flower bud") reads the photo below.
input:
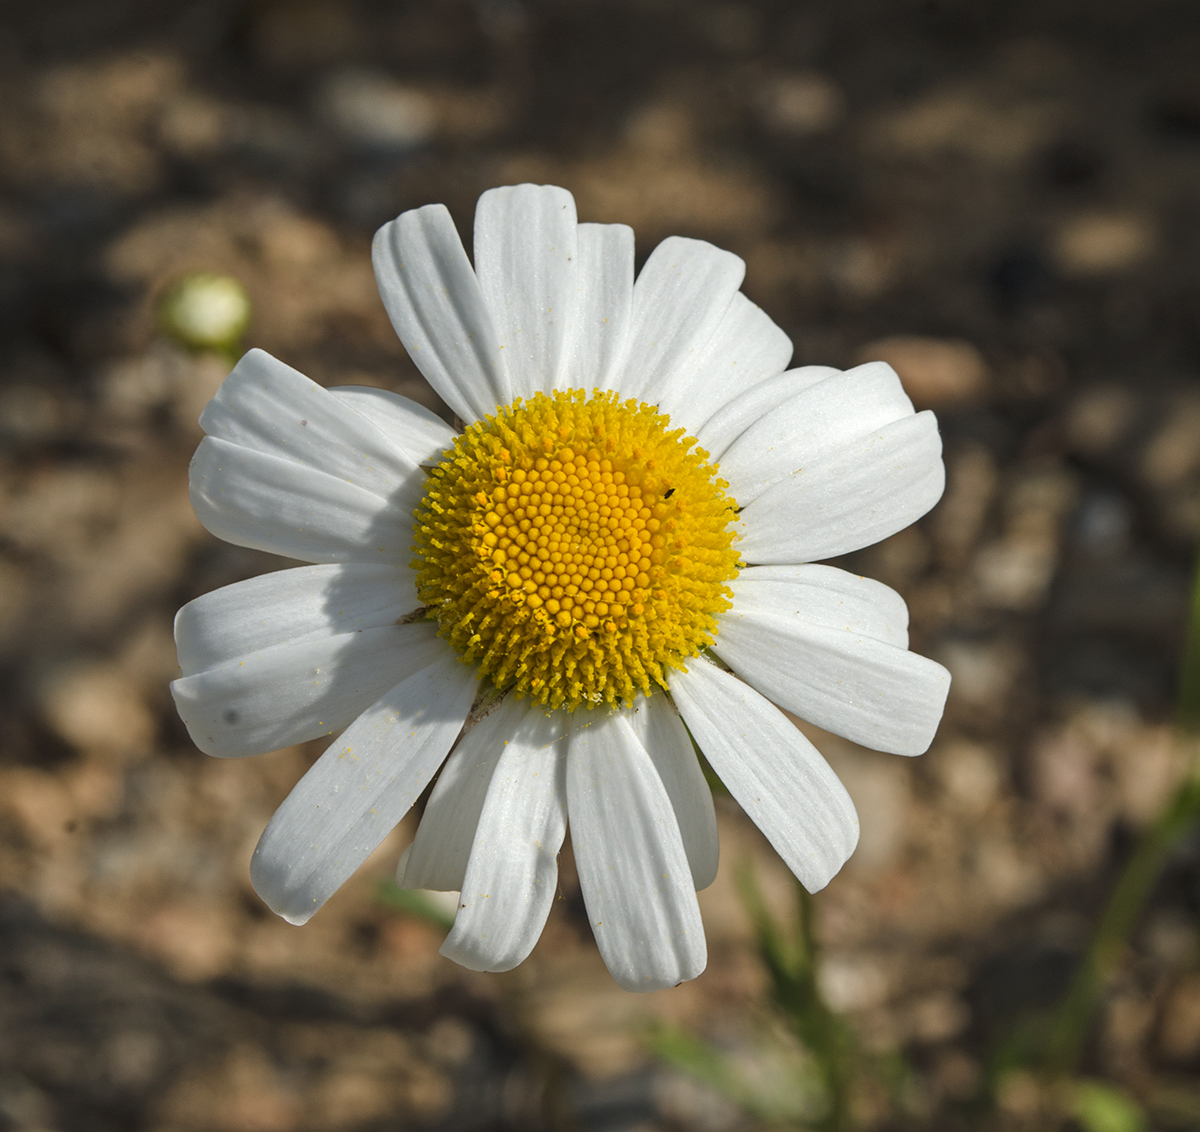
(206, 311)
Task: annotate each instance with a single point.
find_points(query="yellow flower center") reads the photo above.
(575, 548)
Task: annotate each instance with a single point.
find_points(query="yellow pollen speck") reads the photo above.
(589, 607)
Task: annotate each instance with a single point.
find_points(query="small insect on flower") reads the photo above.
(615, 559)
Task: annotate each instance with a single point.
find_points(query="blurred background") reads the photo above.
(1000, 197)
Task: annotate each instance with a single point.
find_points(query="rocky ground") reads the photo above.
(1000, 198)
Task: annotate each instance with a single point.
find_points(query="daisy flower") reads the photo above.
(612, 564)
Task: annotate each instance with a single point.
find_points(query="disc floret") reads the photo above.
(574, 548)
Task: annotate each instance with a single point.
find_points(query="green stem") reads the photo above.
(792, 967)
(1074, 1018)
(828, 1030)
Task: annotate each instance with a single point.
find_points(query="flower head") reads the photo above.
(613, 559)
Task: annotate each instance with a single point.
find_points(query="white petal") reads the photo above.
(633, 870)
(527, 262)
(876, 694)
(513, 873)
(812, 426)
(604, 307)
(435, 303)
(402, 864)
(823, 595)
(443, 843)
(298, 691)
(411, 427)
(679, 300)
(867, 490)
(777, 776)
(746, 348)
(358, 790)
(724, 427)
(271, 408)
(660, 730)
(307, 603)
(259, 500)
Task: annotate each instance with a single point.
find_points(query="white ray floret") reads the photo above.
(512, 872)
